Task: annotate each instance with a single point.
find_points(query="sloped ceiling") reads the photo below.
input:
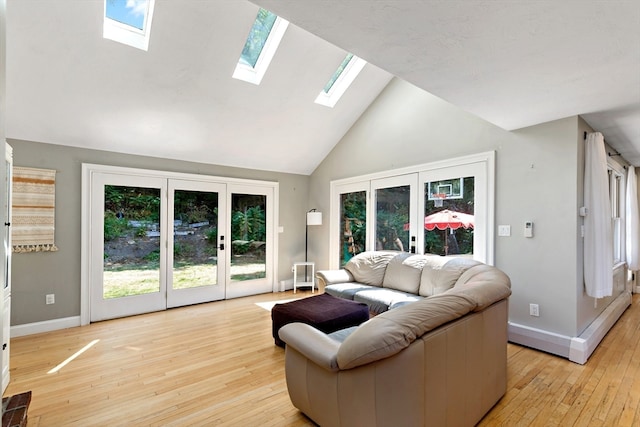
(512, 63)
(67, 85)
(515, 64)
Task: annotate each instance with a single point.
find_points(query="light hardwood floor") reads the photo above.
(216, 364)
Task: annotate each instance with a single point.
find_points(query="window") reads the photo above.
(340, 81)
(615, 198)
(128, 22)
(261, 45)
(353, 223)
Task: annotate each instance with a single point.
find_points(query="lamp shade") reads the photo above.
(314, 218)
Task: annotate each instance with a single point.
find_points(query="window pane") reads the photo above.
(248, 236)
(392, 218)
(448, 216)
(353, 223)
(195, 253)
(128, 12)
(338, 72)
(257, 37)
(131, 241)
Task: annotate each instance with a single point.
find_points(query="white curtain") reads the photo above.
(598, 236)
(632, 221)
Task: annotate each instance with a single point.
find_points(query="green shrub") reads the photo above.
(114, 227)
(241, 247)
(153, 256)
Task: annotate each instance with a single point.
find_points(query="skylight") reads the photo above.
(128, 22)
(261, 45)
(340, 81)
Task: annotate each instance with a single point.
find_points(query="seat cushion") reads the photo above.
(346, 290)
(380, 300)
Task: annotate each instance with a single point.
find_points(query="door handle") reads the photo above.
(221, 247)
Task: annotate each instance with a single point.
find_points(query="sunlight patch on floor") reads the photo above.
(73, 356)
(268, 305)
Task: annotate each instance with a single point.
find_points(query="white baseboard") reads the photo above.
(539, 339)
(586, 343)
(576, 349)
(46, 326)
(285, 285)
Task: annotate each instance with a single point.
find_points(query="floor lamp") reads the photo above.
(313, 218)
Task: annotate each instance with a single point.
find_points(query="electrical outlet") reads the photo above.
(51, 298)
(534, 310)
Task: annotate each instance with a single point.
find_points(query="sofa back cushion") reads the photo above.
(403, 272)
(484, 283)
(369, 267)
(392, 331)
(439, 274)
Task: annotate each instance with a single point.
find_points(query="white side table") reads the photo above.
(296, 283)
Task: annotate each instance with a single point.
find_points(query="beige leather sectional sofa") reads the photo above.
(387, 279)
(438, 361)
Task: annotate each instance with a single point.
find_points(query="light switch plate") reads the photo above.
(504, 230)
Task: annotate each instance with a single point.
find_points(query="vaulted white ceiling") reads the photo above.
(67, 85)
(515, 64)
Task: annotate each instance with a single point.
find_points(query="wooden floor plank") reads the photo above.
(216, 364)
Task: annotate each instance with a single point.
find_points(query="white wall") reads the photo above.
(538, 178)
(38, 273)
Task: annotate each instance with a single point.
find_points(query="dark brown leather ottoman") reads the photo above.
(324, 312)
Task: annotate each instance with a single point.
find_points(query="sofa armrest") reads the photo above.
(311, 343)
(329, 277)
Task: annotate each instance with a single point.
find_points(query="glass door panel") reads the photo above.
(249, 269)
(195, 248)
(455, 206)
(248, 234)
(353, 223)
(449, 208)
(127, 246)
(395, 216)
(131, 263)
(392, 218)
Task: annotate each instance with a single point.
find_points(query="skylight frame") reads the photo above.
(342, 83)
(127, 34)
(255, 74)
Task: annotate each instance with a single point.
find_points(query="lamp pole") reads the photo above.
(313, 218)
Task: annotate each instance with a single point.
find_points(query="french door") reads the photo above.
(157, 242)
(128, 252)
(443, 208)
(196, 247)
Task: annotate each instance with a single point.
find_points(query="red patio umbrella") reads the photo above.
(448, 219)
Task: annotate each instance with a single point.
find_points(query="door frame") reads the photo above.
(88, 172)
